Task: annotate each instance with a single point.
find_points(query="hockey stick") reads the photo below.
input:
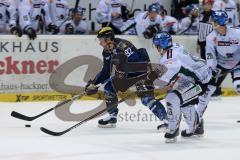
(132, 6)
(49, 132)
(76, 4)
(94, 115)
(184, 31)
(85, 120)
(27, 118)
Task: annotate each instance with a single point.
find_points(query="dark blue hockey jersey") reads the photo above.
(122, 47)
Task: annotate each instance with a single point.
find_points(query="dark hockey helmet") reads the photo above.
(106, 32)
(190, 9)
(155, 7)
(220, 17)
(163, 40)
(79, 10)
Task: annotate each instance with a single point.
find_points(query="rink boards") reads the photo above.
(53, 67)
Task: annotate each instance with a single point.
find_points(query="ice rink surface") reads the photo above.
(135, 137)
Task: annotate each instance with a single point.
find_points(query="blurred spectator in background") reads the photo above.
(109, 13)
(230, 7)
(189, 24)
(34, 18)
(8, 18)
(59, 11)
(77, 25)
(146, 23)
(169, 23)
(205, 26)
(238, 7)
(179, 4)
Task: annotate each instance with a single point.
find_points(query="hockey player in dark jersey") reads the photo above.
(120, 52)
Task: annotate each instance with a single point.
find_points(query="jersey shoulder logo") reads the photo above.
(122, 45)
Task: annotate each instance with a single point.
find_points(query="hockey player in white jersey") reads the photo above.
(190, 24)
(34, 18)
(8, 18)
(59, 11)
(109, 13)
(184, 79)
(230, 7)
(222, 55)
(169, 23)
(77, 25)
(146, 23)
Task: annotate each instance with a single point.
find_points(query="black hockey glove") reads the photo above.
(156, 72)
(53, 28)
(31, 33)
(69, 29)
(15, 30)
(91, 88)
(152, 76)
(151, 31)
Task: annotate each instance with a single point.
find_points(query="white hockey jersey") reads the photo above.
(141, 23)
(231, 9)
(78, 28)
(33, 13)
(59, 10)
(169, 23)
(104, 10)
(223, 50)
(8, 15)
(183, 67)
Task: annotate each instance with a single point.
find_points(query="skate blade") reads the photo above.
(171, 140)
(199, 135)
(107, 126)
(190, 137)
(195, 136)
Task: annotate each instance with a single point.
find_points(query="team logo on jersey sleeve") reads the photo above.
(224, 43)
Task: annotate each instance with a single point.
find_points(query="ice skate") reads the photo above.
(109, 122)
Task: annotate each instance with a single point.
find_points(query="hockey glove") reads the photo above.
(153, 75)
(69, 29)
(151, 31)
(31, 33)
(16, 31)
(156, 72)
(53, 28)
(91, 88)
